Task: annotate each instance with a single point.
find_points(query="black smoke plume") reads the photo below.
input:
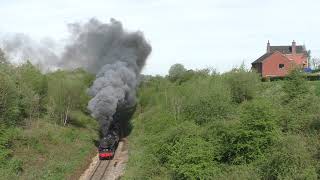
(116, 56)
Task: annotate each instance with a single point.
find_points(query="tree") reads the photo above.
(66, 93)
(176, 71)
(32, 85)
(31, 75)
(315, 63)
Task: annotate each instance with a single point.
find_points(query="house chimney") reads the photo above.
(293, 47)
(268, 47)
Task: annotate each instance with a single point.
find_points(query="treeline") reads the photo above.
(206, 125)
(34, 108)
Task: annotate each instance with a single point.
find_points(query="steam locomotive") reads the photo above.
(109, 143)
(108, 146)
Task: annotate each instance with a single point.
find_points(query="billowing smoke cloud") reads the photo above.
(95, 44)
(116, 56)
(105, 49)
(20, 47)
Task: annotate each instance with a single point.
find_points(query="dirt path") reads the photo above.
(108, 170)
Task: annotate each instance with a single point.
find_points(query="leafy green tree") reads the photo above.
(176, 72)
(32, 87)
(29, 103)
(31, 76)
(66, 92)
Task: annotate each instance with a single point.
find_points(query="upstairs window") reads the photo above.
(281, 66)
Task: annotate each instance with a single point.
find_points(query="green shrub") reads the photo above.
(9, 100)
(192, 158)
(300, 113)
(288, 159)
(256, 132)
(215, 106)
(295, 85)
(240, 172)
(243, 84)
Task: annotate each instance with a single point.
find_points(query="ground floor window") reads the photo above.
(281, 66)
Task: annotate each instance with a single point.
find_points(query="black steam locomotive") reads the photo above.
(108, 146)
(109, 143)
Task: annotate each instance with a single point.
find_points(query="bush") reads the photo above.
(192, 158)
(9, 100)
(213, 105)
(299, 113)
(288, 159)
(295, 85)
(7, 162)
(243, 84)
(255, 133)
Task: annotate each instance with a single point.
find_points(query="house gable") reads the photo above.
(276, 65)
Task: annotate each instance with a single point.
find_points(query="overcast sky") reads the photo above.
(197, 33)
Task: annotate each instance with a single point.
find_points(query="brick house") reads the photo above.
(278, 60)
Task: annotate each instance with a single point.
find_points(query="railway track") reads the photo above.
(108, 169)
(100, 170)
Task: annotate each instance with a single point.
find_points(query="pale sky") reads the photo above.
(196, 33)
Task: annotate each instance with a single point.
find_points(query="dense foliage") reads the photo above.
(39, 115)
(226, 126)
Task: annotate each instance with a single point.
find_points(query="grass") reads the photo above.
(50, 151)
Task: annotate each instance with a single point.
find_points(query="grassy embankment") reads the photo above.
(45, 129)
(43, 150)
